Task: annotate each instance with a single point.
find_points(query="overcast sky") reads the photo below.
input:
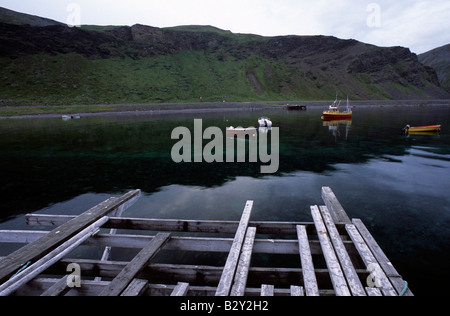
(418, 25)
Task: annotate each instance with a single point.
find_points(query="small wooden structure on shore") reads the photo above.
(352, 262)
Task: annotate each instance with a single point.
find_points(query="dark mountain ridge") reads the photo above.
(181, 62)
(16, 18)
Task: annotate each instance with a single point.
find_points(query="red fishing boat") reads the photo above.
(334, 112)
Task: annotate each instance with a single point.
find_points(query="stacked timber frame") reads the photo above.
(336, 256)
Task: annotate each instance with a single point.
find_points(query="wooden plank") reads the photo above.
(136, 288)
(297, 291)
(178, 225)
(375, 248)
(267, 290)
(334, 206)
(373, 291)
(20, 236)
(336, 274)
(240, 278)
(226, 281)
(93, 288)
(208, 291)
(59, 288)
(47, 220)
(309, 276)
(269, 246)
(346, 263)
(39, 285)
(181, 289)
(41, 247)
(390, 292)
(377, 276)
(121, 282)
(209, 275)
(395, 278)
(117, 213)
(51, 258)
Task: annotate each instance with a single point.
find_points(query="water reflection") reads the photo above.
(333, 127)
(436, 133)
(50, 161)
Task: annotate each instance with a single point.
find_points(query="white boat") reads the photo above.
(71, 117)
(265, 122)
(241, 130)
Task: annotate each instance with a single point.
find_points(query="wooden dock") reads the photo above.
(336, 256)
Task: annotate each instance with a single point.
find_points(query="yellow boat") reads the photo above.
(424, 133)
(422, 129)
(334, 112)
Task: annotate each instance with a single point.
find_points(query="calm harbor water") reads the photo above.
(397, 184)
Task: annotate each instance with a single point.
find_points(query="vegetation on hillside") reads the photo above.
(58, 65)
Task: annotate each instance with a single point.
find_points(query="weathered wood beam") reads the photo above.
(49, 259)
(334, 206)
(136, 288)
(58, 289)
(309, 276)
(268, 246)
(346, 263)
(179, 225)
(93, 288)
(126, 276)
(336, 274)
(226, 281)
(267, 290)
(240, 278)
(388, 268)
(377, 277)
(59, 235)
(181, 289)
(297, 291)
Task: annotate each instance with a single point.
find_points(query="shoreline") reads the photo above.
(173, 108)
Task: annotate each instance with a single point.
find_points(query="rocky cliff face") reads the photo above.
(172, 40)
(439, 60)
(395, 64)
(19, 40)
(283, 67)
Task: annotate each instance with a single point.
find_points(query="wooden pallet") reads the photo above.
(352, 263)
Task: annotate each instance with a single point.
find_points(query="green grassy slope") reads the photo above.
(186, 76)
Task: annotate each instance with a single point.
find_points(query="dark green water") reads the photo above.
(398, 185)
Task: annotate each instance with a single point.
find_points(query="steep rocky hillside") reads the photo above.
(55, 64)
(13, 17)
(439, 59)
